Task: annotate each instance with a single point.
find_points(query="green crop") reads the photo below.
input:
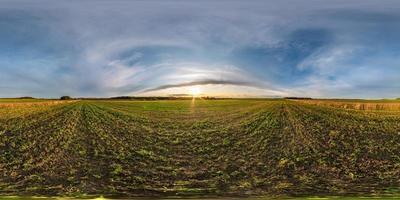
(212, 147)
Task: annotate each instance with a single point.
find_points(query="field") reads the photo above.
(19, 100)
(197, 147)
(388, 105)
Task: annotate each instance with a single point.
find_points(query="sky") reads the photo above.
(312, 48)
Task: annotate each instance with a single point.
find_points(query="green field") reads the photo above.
(195, 148)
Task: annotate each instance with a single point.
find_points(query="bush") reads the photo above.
(65, 98)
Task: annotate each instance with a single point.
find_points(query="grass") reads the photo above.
(257, 198)
(24, 103)
(189, 148)
(16, 100)
(388, 105)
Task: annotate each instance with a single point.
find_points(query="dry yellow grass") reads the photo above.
(29, 104)
(355, 105)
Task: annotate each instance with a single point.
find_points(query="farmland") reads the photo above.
(197, 147)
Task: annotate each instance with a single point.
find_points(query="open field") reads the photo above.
(30, 103)
(388, 105)
(19, 100)
(176, 198)
(201, 147)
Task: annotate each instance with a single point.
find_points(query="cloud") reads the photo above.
(202, 82)
(91, 48)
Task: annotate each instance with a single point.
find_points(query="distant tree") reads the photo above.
(209, 98)
(65, 98)
(300, 98)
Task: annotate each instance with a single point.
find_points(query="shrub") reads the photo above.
(65, 98)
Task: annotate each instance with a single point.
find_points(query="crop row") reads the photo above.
(197, 147)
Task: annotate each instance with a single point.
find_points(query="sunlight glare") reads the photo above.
(195, 91)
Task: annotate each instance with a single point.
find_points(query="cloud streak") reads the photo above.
(201, 82)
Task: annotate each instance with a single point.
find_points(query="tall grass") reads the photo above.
(355, 105)
(29, 104)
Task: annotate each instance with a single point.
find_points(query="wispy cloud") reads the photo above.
(201, 82)
(92, 48)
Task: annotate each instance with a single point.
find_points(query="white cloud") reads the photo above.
(94, 35)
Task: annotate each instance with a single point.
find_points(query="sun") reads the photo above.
(195, 91)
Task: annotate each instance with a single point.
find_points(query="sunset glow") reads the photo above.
(195, 91)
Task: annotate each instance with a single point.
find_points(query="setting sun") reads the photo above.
(195, 91)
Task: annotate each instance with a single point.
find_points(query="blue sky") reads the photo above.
(317, 48)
